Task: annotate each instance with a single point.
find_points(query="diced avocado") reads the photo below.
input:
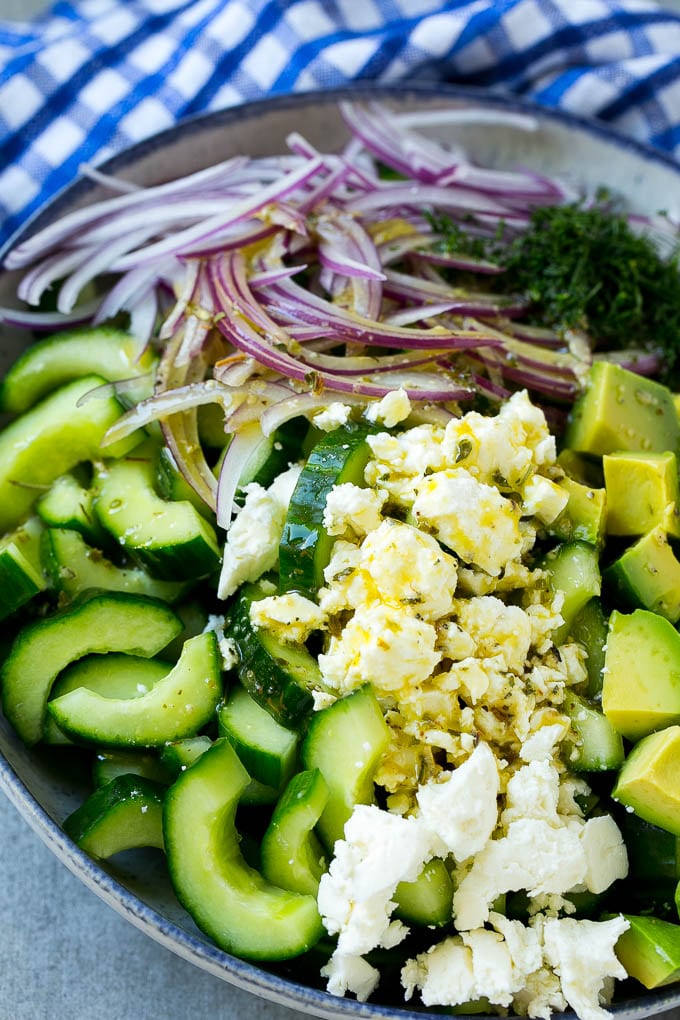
(583, 519)
(647, 576)
(574, 569)
(641, 687)
(620, 410)
(590, 630)
(642, 491)
(648, 780)
(650, 950)
(597, 747)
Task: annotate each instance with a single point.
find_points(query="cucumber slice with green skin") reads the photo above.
(267, 749)
(124, 814)
(345, 742)
(97, 622)
(429, 899)
(170, 539)
(589, 628)
(68, 504)
(178, 705)
(598, 747)
(50, 363)
(49, 440)
(110, 764)
(292, 856)
(21, 573)
(653, 853)
(279, 676)
(75, 567)
(178, 755)
(230, 901)
(573, 569)
(305, 549)
(173, 486)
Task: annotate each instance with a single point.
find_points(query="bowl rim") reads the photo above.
(243, 974)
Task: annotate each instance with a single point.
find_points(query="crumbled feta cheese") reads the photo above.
(347, 973)
(496, 629)
(228, 648)
(394, 407)
(410, 568)
(543, 498)
(606, 856)
(290, 617)
(322, 699)
(540, 746)
(383, 645)
(350, 507)
(332, 417)
(252, 545)
(461, 807)
(469, 517)
(443, 974)
(379, 850)
(582, 955)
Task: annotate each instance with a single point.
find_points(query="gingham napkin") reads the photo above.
(88, 78)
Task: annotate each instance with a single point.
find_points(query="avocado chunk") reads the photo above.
(620, 410)
(650, 950)
(647, 576)
(641, 685)
(584, 517)
(642, 491)
(648, 780)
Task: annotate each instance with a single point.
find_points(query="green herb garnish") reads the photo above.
(585, 268)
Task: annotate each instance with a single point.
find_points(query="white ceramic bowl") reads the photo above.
(584, 154)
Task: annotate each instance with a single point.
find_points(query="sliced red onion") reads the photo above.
(98, 261)
(244, 444)
(185, 295)
(170, 402)
(48, 321)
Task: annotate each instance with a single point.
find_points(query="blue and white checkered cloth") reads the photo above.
(89, 77)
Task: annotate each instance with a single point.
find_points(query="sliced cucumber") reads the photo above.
(267, 749)
(50, 363)
(292, 856)
(178, 755)
(278, 675)
(173, 486)
(49, 440)
(75, 566)
(230, 901)
(109, 764)
(171, 539)
(574, 569)
(598, 747)
(305, 549)
(345, 742)
(21, 573)
(176, 706)
(589, 628)
(429, 899)
(97, 622)
(68, 504)
(126, 813)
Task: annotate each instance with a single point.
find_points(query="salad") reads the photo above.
(344, 556)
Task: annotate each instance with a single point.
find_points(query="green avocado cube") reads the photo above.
(583, 518)
(642, 491)
(647, 576)
(620, 410)
(650, 950)
(641, 684)
(648, 780)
